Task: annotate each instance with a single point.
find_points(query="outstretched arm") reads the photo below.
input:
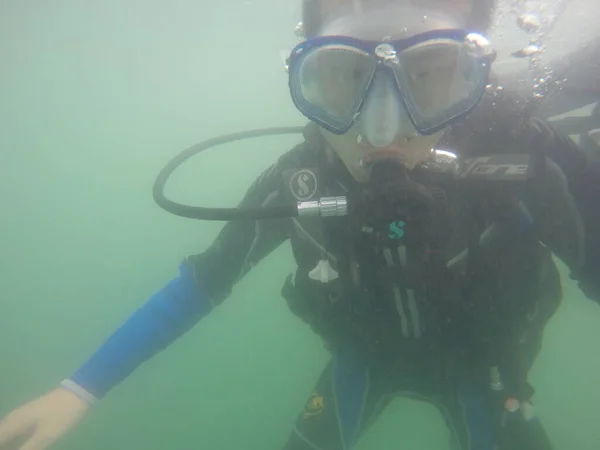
(583, 183)
(204, 280)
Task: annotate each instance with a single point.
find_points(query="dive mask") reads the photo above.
(421, 83)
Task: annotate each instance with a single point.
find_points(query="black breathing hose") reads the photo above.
(223, 214)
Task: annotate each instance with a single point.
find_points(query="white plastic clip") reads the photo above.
(323, 272)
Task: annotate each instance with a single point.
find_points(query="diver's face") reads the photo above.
(380, 24)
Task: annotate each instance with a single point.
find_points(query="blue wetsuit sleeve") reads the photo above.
(205, 279)
(167, 315)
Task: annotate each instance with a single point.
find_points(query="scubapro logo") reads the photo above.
(396, 229)
(303, 184)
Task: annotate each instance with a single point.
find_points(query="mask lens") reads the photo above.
(440, 80)
(332, 81)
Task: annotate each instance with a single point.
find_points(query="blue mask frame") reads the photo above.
(317, 115)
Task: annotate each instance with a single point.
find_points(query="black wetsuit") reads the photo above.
(417, 316)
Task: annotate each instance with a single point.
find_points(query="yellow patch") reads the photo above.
(314, 406)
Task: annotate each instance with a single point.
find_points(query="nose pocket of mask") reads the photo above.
(383, 116)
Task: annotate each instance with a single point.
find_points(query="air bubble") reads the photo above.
(527, 52)
(529, 22)
(300, 31)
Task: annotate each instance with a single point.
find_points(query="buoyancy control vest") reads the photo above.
(421, 264)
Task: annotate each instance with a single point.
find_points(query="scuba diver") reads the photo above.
(427, 273)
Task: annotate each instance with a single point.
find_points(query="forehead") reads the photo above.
(385, 19)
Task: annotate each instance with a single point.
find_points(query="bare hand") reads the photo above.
(44, 420)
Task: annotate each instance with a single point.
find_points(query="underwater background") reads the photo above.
(95, 97)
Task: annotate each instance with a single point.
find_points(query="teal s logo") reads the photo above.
(396, 229)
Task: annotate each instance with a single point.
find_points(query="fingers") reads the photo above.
(36, 425)
(38, 441)
(14, 426)
(10, 428)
